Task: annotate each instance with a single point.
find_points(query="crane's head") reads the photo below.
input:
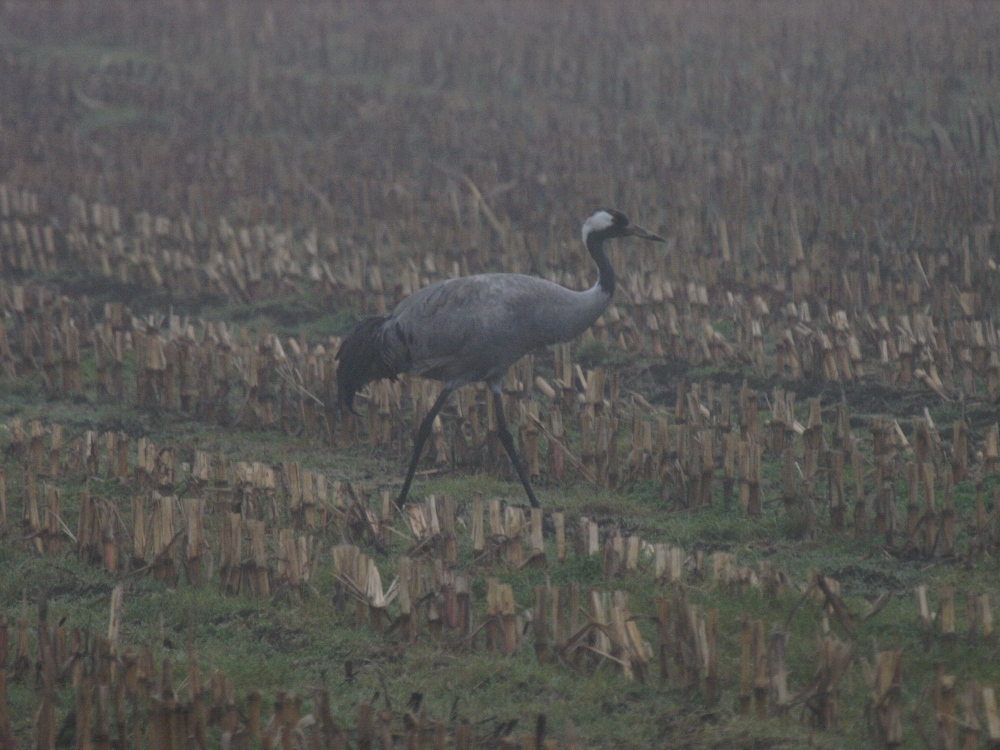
(606, 223)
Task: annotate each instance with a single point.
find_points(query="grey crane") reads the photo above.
(473, 328)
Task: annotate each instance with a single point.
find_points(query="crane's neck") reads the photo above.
(605, 273)
(561, 314)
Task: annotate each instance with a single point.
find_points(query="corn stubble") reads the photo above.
(829, 192)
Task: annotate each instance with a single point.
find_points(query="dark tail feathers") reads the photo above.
(361, 359)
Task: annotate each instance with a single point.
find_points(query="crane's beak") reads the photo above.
(634, 231)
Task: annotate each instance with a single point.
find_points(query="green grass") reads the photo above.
(108, 117)
(81, 55)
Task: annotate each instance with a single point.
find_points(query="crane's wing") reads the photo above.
(471, 328)
(465, 330)
(362, 359)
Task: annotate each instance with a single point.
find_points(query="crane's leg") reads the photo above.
(508, 444)
(423, 432)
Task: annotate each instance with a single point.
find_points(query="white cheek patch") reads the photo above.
(598, 221)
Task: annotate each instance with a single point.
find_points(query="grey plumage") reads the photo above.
(473, 328)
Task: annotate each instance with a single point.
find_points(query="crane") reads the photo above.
(473, 328)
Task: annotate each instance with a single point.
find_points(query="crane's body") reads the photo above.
(473, 328)
(513, 313)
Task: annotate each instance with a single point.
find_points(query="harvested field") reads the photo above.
(768, 473)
